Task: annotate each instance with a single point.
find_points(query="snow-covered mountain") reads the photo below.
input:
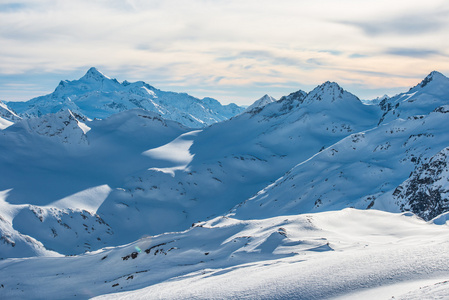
(366, 169)
(95, 95)
(361, 171)
(166, 186)
(229, 162)
(270, 191)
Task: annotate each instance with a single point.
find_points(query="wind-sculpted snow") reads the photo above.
(97, 96)
(311, 256)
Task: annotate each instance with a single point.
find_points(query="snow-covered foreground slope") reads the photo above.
(97, 96)
(312, 256)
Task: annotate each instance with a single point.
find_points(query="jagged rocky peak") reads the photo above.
(329, 92)
(434, 76)
(299, 96)
(431, 81)
(267, 98)
(328, 88)
(431, 93)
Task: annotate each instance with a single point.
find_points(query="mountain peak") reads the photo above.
(433, 76)
(266, 99)
(94, 74)
(330, 84)
(329, 92)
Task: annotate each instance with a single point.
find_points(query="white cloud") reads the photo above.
(243, 43)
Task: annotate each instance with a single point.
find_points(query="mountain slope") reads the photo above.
(362, 171)
(97, 96)
(159, 176)
(230, 161)
(41, 168)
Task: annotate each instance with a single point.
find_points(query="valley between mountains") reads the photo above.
(121, 190)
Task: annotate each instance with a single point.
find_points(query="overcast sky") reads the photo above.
(234, 51)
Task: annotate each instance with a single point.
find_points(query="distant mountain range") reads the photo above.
(96, 96)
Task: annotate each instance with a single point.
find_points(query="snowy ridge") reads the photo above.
(97, 96)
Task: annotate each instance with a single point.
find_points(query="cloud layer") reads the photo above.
(231, 50)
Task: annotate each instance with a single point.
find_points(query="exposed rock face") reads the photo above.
(426, 192)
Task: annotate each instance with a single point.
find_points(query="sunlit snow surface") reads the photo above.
(89, 199)
(312, 256)
(4, 123)
(176, 153)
